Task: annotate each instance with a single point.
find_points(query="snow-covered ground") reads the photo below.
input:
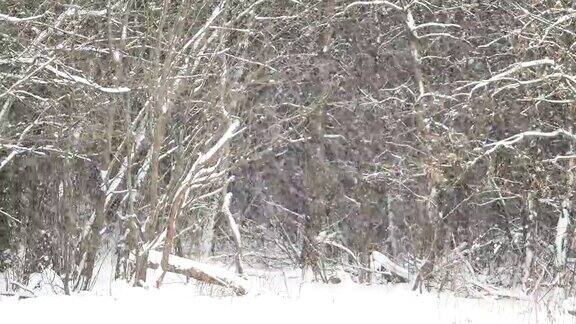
(274, 298)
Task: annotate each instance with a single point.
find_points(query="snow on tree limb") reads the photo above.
(369, 3)
(74, 10)
(195, 40)
(379, 260)
(78, 79)
(68, 77)
(558, 22)
(435, 24)
(326, 239)
(200, 271)
(505, 74)
(234, 229)
(11, 19)
(193, 173)
(228, 213)
(519, 137)
(10, 216)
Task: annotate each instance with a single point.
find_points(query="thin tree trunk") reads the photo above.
(314, 168)
(392, 227)
(529, 239)
(563, 226)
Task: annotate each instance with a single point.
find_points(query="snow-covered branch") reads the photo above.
(194, 173)
(78, 79)
(368, 3)
(521, 136)
(505, 74)
(508, 142)
(16, 20)
(435, 24)
(74, 10)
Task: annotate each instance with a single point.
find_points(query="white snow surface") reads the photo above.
(309, 303)
(45, 283)
(274, 297)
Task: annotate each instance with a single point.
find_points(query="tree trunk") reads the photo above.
(315, 176)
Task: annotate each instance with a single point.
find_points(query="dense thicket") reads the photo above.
(323, 130)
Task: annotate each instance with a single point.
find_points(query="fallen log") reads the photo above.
(379, 260)
(200, 271)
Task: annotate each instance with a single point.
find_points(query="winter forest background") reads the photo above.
(429, 142)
